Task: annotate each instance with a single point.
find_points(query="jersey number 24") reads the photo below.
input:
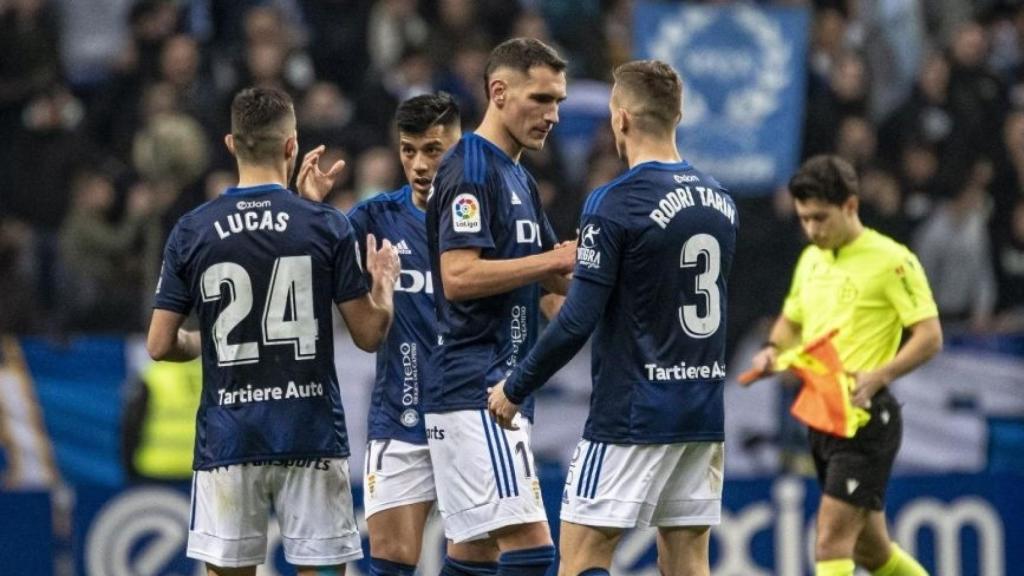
(291, 288)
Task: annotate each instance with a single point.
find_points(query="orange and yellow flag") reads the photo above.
(824, 402)
(825, 399)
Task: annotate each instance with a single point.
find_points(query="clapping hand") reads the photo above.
(383, 265)
(313, 183)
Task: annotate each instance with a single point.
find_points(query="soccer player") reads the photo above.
(869, 289)
(399, 479)
(490, 244)
(262, 268)
(655, 249)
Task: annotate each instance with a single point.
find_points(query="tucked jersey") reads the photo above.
(662, 236)
(868, 290)
(482, 199)
(396, 402)
(262, 268)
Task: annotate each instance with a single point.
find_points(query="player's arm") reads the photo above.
(467, 276)
(562, 339)
(168, 341)
(369, 316)
(550, 304)
(924, 343)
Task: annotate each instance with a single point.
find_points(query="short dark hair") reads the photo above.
(256, 117)
(421, 113)
(825, 177)
(521, 54)
(657, 90)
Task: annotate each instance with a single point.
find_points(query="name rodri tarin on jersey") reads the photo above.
(681, 198)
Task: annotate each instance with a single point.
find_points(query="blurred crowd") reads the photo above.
(113, 113)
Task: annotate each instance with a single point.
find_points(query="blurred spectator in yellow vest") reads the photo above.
(159, 422)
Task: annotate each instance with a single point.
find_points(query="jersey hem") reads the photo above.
(270, 457)
(418, 441)
(672, 439)
(461, 407)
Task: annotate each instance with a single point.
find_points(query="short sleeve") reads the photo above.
(907, 290)
(600, 247)
(172, 289)
(348, 280)
(359, 218)
(548, 237)
(547, 232)
(792, 307)
(464, 218)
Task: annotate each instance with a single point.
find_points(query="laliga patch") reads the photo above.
(466, 213)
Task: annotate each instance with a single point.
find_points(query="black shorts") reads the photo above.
(856, 470)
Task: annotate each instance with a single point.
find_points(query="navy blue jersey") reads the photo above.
(482, 199)
(396, 402)
(663, 237)
(263, 269)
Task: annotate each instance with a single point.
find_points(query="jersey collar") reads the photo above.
(494, 147)
(413, 209)
(657, 165)
(254, 190)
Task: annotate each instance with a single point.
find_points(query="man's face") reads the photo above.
(530, 105)
(421, 154)
(827, 225)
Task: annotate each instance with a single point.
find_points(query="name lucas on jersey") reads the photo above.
(252, 222)
(265, 393)
(681, 198)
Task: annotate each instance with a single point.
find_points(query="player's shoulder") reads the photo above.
(470, 161)
(602, 200)
(380, 203)
(465, 162)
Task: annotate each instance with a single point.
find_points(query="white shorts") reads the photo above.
(623, 486)
(396, 473)
(312, 499)
(485, 475)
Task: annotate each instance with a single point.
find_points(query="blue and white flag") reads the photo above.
(743, 70)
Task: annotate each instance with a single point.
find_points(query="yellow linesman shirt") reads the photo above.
(869, 290)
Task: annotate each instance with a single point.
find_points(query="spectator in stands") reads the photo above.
(925, 115)
(376, 172)
(953, 247)
(844, 96)
(158, 422)
(395, 28)
(19, 312)
(1009, 252)
(101, 260)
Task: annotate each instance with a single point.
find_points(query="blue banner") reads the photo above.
(968, 525)
(743, 70)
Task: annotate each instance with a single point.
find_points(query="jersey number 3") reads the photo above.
(291, 289)
(705, 284)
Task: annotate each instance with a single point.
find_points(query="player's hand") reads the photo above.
(565, 254)
(868, 383)
(763, 363)
(312, 182)
(501, 408)
(383, 265)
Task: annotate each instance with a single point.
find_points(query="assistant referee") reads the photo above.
(869, 288)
